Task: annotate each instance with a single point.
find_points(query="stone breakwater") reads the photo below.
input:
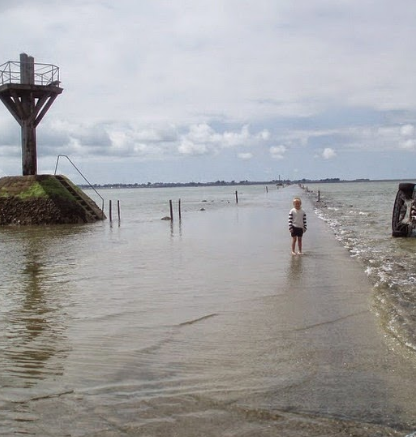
(44, 200)
(39, 211)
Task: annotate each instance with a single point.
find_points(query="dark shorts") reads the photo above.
(296, 232)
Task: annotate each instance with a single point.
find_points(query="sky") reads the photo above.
(213, 90)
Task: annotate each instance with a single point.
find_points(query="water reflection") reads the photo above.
(295, 270)
(35, 295)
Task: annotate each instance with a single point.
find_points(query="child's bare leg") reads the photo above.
(300, 244)
(293, 245)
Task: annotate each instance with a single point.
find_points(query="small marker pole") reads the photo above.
(171, 210)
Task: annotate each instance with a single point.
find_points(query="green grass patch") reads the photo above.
(4, 192)
(35, 190)
(44, 188)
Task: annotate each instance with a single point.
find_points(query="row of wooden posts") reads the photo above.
(311, 191)
(180, 210)
(110, 209)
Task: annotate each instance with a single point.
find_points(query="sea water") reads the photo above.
(360, 215)
(151, 327)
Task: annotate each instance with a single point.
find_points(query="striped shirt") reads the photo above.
(297, 219)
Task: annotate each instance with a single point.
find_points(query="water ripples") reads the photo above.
(360, 215)
(125, 331)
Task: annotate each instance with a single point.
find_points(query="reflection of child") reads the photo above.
(297, 224)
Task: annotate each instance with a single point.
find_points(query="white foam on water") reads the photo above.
(363, 227)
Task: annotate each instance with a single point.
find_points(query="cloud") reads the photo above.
(204, 139)
(408, 140)
(407, 130)
(277, 152)
(328, 153)
(189, 148)
(144, 142)
(264, 135)
(409, 144)
(165, 53)
(245, 156)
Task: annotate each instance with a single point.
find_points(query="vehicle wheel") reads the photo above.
(400, 229)
(407, 187)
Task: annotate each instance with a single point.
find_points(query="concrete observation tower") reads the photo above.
(28, 90)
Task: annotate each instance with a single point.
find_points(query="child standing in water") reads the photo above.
(297, 224)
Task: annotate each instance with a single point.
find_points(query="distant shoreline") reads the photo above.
(233, 183)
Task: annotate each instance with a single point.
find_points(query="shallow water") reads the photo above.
(360, 216)
(152, 328)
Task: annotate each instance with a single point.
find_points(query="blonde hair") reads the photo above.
(297, 199)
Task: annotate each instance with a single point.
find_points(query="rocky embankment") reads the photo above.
(40, 200)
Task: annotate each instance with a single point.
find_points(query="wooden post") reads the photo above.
(319, 195)
(110, 213)
(236, 197)
(171, 210)
(118, 210)
(179, 208)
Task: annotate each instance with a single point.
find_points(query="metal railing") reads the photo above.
(85, 179)
(45, 74)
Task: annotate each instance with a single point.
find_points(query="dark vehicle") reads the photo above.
(404, 211)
